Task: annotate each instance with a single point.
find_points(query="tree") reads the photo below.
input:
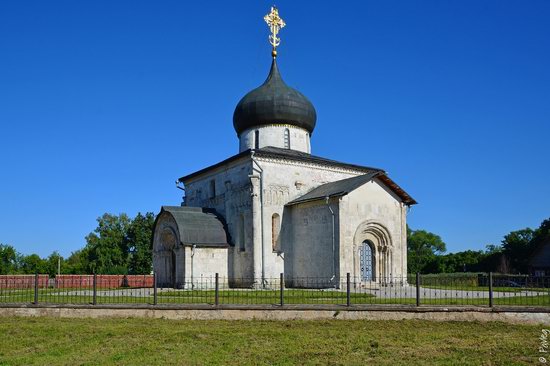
(139, 240)
(106, 247)
(517, 248)
(51, 263)
(8, 259)
(119, 245)
(422, 247)
(32, 263)
(77, 263)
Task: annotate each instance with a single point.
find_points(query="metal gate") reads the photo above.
(366, 261)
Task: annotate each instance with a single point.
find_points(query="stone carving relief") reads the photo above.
(276, 195)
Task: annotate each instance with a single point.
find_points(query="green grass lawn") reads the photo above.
(51, 341)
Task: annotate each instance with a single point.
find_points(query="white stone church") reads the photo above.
(276, 208)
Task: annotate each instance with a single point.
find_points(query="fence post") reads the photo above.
(348, 289)
(94, 286)
(490, 289)
(35, 288)
(217, 297)
(282, 284)
(155, 298)
(417, 288)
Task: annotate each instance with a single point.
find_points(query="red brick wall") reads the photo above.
(22, 281)
(103, 281)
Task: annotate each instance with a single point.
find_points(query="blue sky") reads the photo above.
(104, 104)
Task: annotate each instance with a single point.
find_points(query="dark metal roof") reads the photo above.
(335, 189)
(245, 153)
(198, 226)
(278, 153)
(274, 102)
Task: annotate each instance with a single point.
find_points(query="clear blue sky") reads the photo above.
(104, 104)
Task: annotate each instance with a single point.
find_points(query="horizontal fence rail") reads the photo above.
(472, 289)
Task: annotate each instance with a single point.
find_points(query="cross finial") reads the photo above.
(275, 23)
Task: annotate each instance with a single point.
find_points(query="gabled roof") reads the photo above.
(345, 186)
(294, 155)
(198, 226)
(279, 153)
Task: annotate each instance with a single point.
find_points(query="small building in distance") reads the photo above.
(539, 263)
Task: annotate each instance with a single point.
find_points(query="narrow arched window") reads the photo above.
(287, 138)
(212, 191)
(241, 234)
(256, 139)
(275, 229)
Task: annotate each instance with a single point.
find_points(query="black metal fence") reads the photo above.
(478, 289)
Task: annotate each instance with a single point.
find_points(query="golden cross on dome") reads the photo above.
(275, 23)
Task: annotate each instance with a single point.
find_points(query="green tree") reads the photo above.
(119, 245)
(106, 248)
(422, 247)
(139, 241)
(517, 248)
(50, 263)
(32, 263)
(8, 259)
(77, 263)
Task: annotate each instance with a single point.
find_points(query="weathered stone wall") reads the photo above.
(313, 256)
(232, 200)
(372, 212)
(252, 197)
(336, 313)
(282, 182)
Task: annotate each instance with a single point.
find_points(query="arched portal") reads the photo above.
(372, 253)
(367, 261)
(168, 240)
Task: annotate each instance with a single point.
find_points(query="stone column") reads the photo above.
(256, 227)
(180, 266)
(404, 241)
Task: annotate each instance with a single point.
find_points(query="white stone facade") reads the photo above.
(274, 208)
(318, 239)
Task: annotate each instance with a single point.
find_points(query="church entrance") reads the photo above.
(366, 261)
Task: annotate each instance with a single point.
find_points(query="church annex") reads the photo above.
(276, 208)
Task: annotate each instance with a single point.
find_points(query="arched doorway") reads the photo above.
(367, 261)
(372, 252)
(167, 273)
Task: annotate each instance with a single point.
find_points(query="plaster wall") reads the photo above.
(202, 264)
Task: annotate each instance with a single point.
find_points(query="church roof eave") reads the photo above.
(343, 187)
(279, 153)
(198, 226)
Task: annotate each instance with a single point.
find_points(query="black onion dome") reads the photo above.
(274, 102)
